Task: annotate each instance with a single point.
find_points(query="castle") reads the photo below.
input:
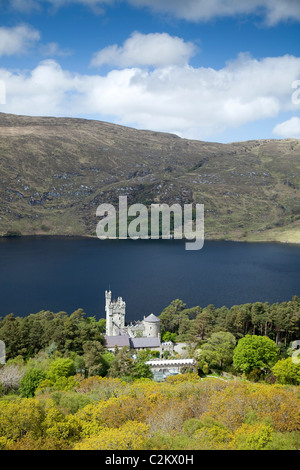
(143, 334)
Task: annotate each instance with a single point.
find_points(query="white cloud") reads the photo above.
(26, 6)
(17, 39)
(97, 6)
(23, 6)
(273, 11)
(192, 102)
(288, 129)
(44, 91)
(155, 49)
(52, 49)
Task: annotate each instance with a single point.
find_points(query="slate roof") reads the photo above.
(152, 319)
(145, 342)
(119, 341)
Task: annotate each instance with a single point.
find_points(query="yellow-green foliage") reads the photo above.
(131, 436)
(186, 413)
(232, 404)
(252, 437)
(213, 437)
(61, 383)
(180, 378)
(105, 387)
(59, 426)
(20, 417)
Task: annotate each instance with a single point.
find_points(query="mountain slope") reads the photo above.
(54, 172)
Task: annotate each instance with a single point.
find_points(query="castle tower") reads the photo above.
(115, 315)
(151, 326)
(108, 311)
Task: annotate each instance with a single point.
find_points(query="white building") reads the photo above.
(115, 314)
(162, 368)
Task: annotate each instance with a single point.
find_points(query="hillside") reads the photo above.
(54, 172)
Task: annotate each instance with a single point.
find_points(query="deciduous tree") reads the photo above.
(255, 352)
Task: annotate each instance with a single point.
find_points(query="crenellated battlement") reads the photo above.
(115, 321)
(115, 314)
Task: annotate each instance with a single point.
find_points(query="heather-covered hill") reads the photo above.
(54, 172)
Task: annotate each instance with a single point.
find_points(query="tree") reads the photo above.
(204, 321)
(93, 351)
(169, 318)
(287, 372)
(122, 364)
(258, 316)
(141, 369)
(10, 333)
(238, 319)
(10, 376)
(185, 328)
(26, 336)
(62, 367)
(130, 436)
(106, 361)
(218, 350)
(102, 325)
(252, 436)
(20, 418)
(168, 336)
(255, 352)
(192, 312)
(30, 381)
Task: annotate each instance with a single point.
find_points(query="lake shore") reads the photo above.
(291, 236)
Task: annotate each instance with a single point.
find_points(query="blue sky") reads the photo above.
(218, 70)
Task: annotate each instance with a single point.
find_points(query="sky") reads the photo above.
(214, 70)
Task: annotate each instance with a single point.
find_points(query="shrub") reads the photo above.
(189, 377)
(21, 417)
(30, 382)
(254, 352)
(162, 441)
(130, 436)
(10, 377)
(215, 436)
(284, 441)
(62, 367)
(191, 425)
(252, 437)
(72, 402)
(287, 372)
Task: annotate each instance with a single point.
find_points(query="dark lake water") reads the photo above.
(63, 274)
